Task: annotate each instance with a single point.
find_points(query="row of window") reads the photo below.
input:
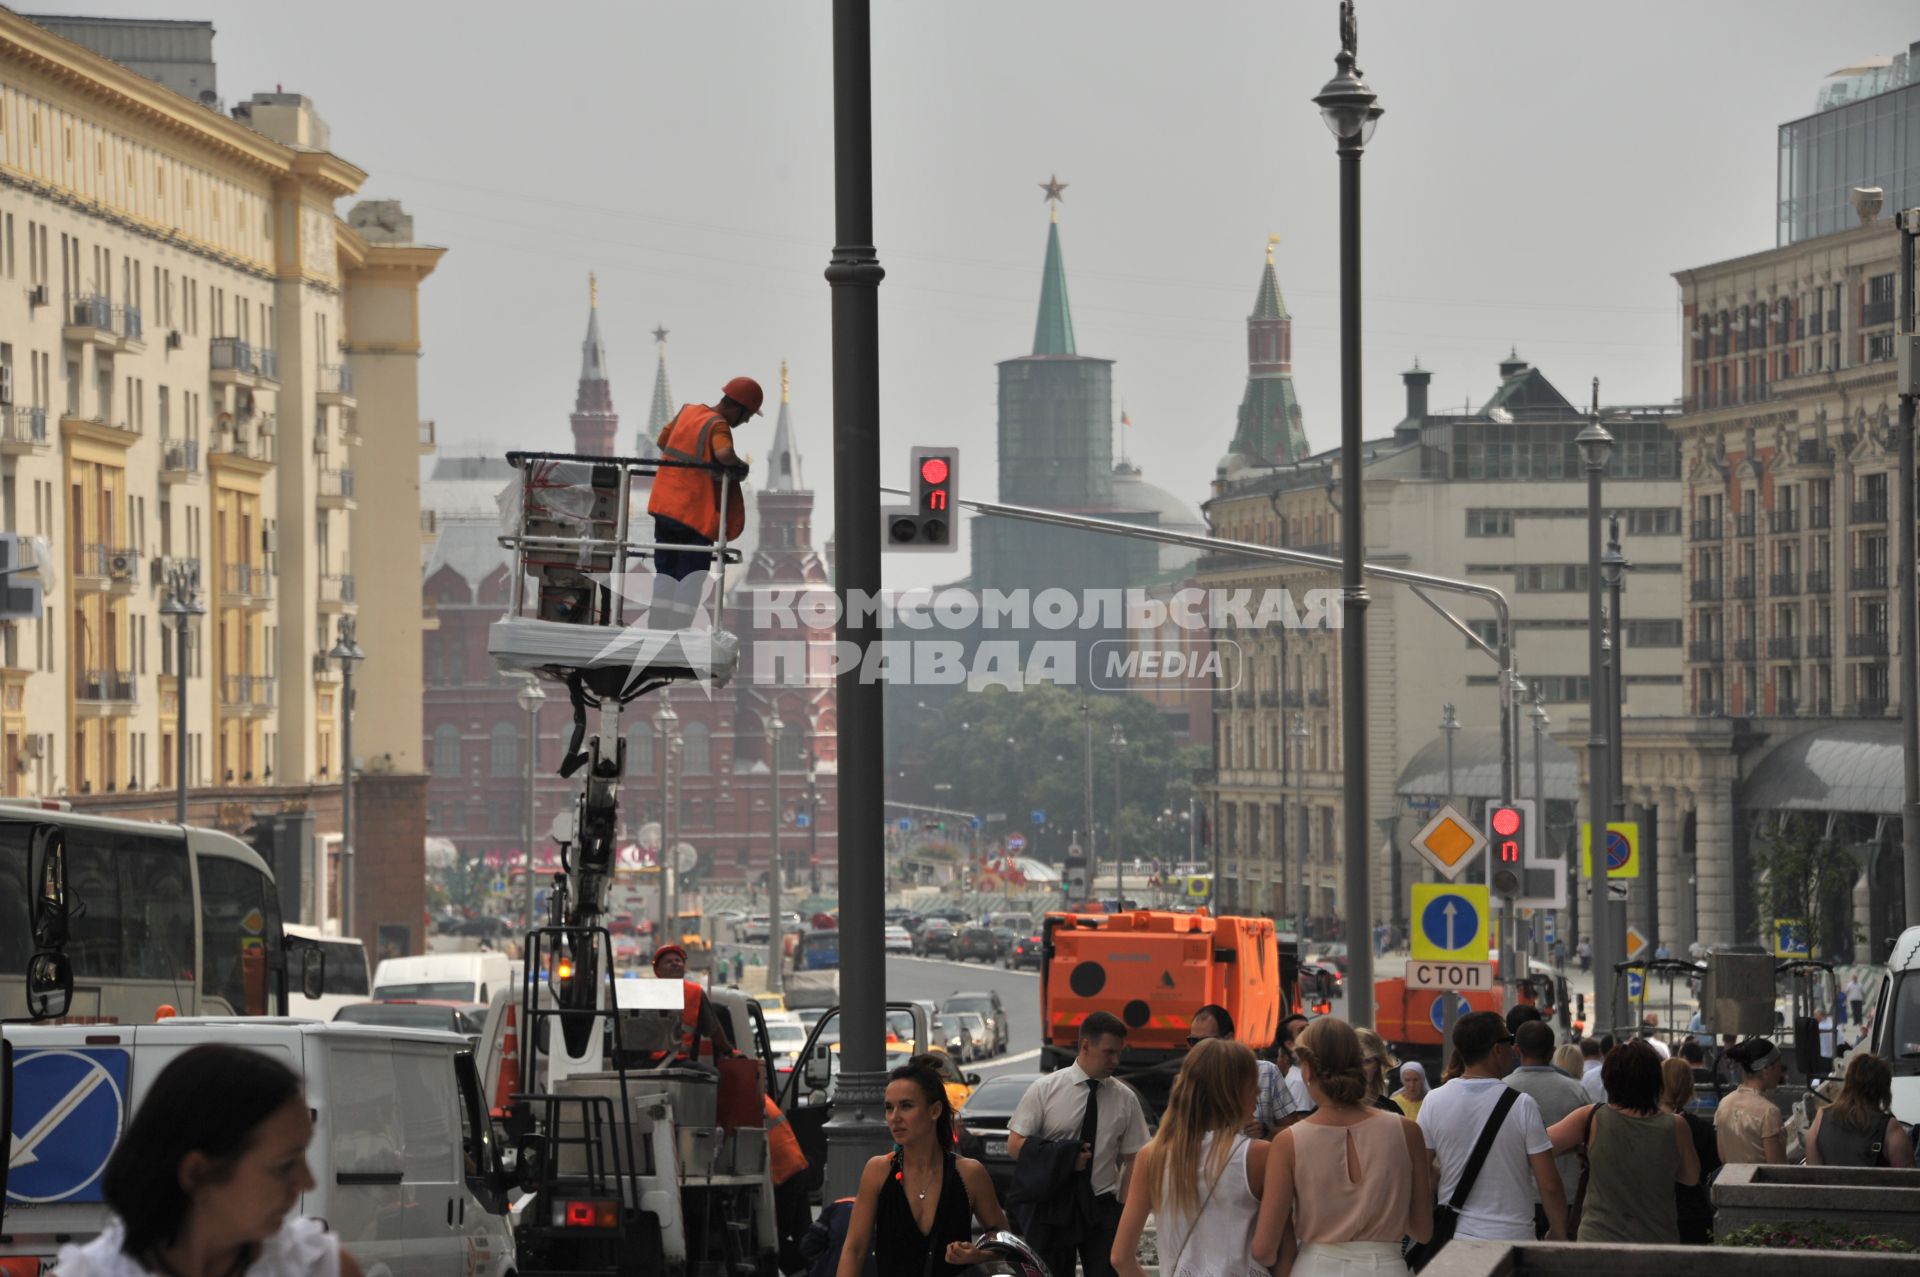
(1638, 521)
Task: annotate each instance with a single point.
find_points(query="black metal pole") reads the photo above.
(180, 711)
(1908, 565)
(1599, 802)
(347, 912)
(857, 1130)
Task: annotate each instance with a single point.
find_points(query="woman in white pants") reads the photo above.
(1348, 1182)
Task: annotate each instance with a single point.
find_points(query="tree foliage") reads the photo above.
(1807, 876)
(1014, 752)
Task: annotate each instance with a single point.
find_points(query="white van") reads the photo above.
(443, 977)
(402, 1154)
(344, 976)
(1893, 1019)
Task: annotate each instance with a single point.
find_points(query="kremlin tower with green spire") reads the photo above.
(1270, 430)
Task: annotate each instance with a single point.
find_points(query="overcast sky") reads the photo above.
(1540, 171)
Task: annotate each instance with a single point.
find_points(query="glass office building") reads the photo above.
(1865, 131)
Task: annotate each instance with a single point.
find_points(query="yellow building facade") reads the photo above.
(217, 377)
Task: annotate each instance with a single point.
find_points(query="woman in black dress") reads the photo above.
(915, 1210)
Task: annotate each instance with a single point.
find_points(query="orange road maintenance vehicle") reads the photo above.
(1409, 1019)
(1154, 969)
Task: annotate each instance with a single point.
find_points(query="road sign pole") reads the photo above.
(1449, 1016)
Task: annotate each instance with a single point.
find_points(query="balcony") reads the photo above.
(1820, 646)
(1706, 530)
(1812, 452)
(250, 695)
(1743, 524)
(104, 691)
(1872, 510)
(1269, 700)
(324, 670)
(179, 460)
(1707, 591)
(1783, 521)
(429, 437)
(1819, 518)
(1870, 706)
(1710, 708)
(336, 490)
(103, 567)
(1783, 583)
(1293, 698)
(333, 385)
(1820, 582)
(23, 432)
(1873, 313)
(1785, 706)
(1707, 650)
(232, 362)
(1871, 577)
(101, 322)
(1744, 650)
(1743, 587)
(1872, 643)
(1783, 647)
(244, 585)
(1317, 698)
(336, 594)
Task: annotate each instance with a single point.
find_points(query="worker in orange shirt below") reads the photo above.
(698, 1017)
(685, 502)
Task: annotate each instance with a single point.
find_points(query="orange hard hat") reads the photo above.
(746, 392)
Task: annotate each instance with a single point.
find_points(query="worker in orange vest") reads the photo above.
(685, 502)
(670, 963)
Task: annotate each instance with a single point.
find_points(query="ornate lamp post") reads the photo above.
(1351, 111)
(1119, 744)
(1596, 446)
(531, 697)
(1298, 735)
(182, 603)
(775, 946)
(666, 727)
(1450, 726)
(348, 653)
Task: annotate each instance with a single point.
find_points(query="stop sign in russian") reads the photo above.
(1426, 974)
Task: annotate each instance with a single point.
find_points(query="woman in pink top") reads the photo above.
(1348, 1182)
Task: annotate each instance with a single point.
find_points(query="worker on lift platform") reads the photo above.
(685, 502)
(698, 1019)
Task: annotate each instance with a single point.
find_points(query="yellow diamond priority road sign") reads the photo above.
(1449, 842)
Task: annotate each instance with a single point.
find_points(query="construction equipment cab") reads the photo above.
(403, 1158)
(1154, 969)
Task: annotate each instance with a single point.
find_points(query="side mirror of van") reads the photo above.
(818, 1074)
(313, 971)
(51, 909)
(49, 985)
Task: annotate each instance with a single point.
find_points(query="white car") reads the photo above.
(785, 1040)
(898, 940)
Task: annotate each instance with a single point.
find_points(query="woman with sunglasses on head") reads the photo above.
(915, 1209)
(205, 1180)
(1750, 1126)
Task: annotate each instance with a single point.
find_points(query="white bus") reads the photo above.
(347, 979)
(163, 915)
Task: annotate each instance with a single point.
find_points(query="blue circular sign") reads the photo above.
(1636, 983)
(68, 1107)
(1437, 1013)
(1618, 851)
(1450, 922)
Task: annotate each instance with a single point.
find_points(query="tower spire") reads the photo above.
(783, 457)
(1270, 430)
(1053, 330)
(595, 423)
(660, 412)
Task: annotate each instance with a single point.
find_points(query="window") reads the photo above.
(505, 752)
(1549, 578)
(1489, 523)
(1879, 347)
(1652, 522)
(234, 896)
(640, 756)
(697, 742)
(1652, 633)
(446, 750)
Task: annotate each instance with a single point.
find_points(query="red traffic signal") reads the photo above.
(1509, 833)
(926, 524)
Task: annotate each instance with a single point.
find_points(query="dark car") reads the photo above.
(1006, 938)
(936, 935)
(977, 944)
(464, 1018)
(987, 1004)
(983, 1125)
(1026, 953)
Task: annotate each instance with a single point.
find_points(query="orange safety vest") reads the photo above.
(784, 1158)
(691, 496)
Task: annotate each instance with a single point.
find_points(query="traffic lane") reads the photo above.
(935, 979)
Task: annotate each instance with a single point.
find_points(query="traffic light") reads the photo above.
(928, 523)
(1510, 848)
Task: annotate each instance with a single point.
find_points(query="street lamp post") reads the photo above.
(1613, 572)
(775, 947)
(348, 653)
(1908, 563)
(1538, 715)
(666, 725)
(1450, 726)
(1086, 723)
(1119, 743)
(531, 697)
(1596, 445)
(182, 603)
(813, 818)
(1351, 110)
(1298, 735)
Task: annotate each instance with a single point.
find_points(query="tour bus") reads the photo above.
(165, 915)
(347, 979)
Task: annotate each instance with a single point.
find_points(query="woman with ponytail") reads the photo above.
(1201, 1176)
(1347, 1183)
(915, 1210)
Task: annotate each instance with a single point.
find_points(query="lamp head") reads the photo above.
(531, 695)
(1349, 107)
(1596, 445)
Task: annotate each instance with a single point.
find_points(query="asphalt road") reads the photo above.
(936, 978)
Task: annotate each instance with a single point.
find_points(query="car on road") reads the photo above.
(898, 939)
(1026, 953)
(976, 944)
(464, 1018)
(1006, 937)
(936, 936)
(983, 1125)
(953, 1037)
(986, 1003)
(974, 1026)
(786, 1038)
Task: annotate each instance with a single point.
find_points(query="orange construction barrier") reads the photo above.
(507, 1078)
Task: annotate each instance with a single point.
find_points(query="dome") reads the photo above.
(1131, 491)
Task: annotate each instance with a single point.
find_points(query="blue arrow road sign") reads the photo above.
(1039, 815)
(1451, 921)
(1550, 930)
(905, 824)
(68, 1107)
(1618, 850)
(802, 820)
(1439, 1010)
(1636, 984)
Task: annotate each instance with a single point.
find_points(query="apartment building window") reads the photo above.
(696, 758)
(1879, 347)
(1652, 633)
(1653, 521)
(1550, 578)
(1489, 523)
(446, 750)
(1878, 307)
